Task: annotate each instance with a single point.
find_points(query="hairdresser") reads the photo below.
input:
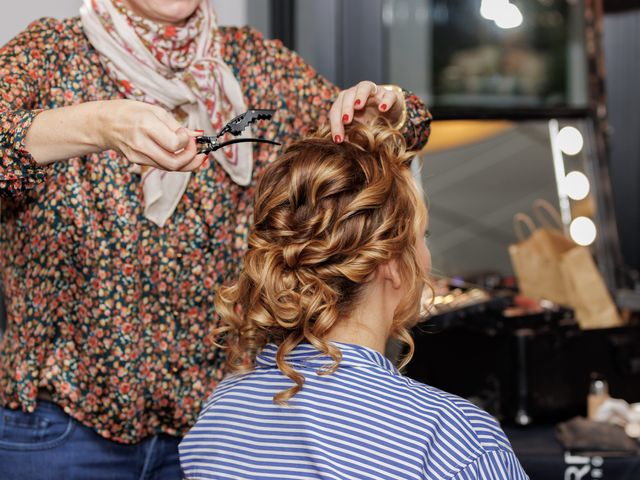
(114, 230)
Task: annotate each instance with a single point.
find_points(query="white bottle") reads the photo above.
(598, 393)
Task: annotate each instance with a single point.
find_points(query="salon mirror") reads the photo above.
(478, 174)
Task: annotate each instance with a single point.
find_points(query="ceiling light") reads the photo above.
(509, 16)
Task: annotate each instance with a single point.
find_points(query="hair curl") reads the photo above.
(325, 217)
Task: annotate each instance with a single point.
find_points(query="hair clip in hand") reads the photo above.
(235, 127)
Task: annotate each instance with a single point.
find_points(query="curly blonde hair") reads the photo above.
(326, 216)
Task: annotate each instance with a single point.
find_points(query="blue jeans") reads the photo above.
(50, 445)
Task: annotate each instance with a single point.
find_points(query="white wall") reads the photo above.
(17, 15)
(231, 12)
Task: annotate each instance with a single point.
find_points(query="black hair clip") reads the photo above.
(235, 127)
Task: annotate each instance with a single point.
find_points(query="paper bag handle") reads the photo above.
(520, 219)
(543, 211)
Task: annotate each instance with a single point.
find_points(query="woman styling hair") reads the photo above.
(115, 231)
(336, 265)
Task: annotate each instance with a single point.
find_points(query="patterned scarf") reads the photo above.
(180, 69)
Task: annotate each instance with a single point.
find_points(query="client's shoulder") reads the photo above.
(454, 413)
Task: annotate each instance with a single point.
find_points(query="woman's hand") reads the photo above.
(145, 134)
(148, 135)
(364, 102)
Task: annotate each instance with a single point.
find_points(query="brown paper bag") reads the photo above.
(536, 261)
(587, 291)
(549, 265)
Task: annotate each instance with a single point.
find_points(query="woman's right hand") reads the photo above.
(147, 135)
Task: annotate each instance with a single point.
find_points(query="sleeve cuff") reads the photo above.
(417, 121)
(18, 169)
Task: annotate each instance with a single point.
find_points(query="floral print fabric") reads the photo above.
(105, 310)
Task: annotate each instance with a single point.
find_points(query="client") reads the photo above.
(336, 265)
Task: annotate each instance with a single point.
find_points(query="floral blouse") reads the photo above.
(105, 310)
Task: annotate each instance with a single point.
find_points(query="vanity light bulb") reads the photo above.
(570, 140)
(576, 185)
(583, 231)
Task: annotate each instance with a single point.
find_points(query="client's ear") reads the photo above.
(390, 272)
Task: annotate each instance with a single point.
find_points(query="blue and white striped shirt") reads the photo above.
(365, 421)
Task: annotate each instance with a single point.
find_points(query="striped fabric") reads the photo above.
(365, 421)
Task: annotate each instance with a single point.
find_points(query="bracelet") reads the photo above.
(403, 115)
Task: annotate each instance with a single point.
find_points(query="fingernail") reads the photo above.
(358, 102)
(383, 107)
(199, 131)
(345, 118)
(337, 139)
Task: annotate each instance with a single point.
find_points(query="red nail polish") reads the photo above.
(383, 107)
(345, 118)
(358, 102)
(338, 139)
(200, 131)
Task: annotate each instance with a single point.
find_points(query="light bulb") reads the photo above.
(576, 185)
(583, 231)
(570, 140)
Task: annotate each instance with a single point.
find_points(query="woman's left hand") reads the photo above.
(364, 102)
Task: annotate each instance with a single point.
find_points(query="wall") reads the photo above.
(622, 60)
(316, 20)
(17, 15)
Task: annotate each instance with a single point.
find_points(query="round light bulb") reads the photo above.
(509, 16)
(576, 185)
(583, 231)
(570, 140)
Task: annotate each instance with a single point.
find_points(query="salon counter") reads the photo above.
(543, 458)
